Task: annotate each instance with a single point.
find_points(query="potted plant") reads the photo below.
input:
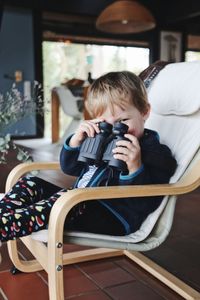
(13, 108)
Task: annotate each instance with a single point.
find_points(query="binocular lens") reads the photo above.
(99, 148)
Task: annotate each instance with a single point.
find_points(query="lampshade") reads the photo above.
(125, 16)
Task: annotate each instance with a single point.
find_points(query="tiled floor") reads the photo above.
(99, 280)
(119, 278)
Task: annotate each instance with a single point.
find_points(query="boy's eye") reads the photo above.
(124, 120)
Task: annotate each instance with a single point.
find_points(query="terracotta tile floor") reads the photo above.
(119, 278)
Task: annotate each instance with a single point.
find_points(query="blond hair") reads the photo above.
(116, 88)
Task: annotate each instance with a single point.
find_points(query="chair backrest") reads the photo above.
(69, 102)
(175, 100)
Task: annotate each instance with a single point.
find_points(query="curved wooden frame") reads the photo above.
(51, 257)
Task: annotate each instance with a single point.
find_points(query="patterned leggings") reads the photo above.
(26, 209)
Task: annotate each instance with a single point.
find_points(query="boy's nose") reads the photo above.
(111, 121)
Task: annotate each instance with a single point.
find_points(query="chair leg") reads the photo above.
(56, 286)
(22, 265)
(161, 274)
(55, 270)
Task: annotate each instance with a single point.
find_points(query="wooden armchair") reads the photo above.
(175, 101)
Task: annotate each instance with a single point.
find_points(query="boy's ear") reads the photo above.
(146, 114)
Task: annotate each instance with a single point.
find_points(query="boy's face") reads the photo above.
(129, 115)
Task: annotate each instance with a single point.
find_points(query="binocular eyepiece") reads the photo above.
(99, 148)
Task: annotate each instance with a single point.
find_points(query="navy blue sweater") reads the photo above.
(158, 166)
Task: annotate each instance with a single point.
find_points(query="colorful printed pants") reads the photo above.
(26, 209)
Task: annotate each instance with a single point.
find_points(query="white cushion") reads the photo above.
(135, 237)
(176, 89)
(181, 134)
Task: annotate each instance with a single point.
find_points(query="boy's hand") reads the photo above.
(87, 128)
(130, 152)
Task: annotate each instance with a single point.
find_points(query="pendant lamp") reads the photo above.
(125, 16)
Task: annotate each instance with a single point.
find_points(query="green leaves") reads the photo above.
(6, 145)
(13, 108)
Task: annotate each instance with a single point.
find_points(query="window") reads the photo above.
(63, 61)
(192, 55)
(193, 46)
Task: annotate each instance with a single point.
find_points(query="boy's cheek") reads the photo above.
(132, 132)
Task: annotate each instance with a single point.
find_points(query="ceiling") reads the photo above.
(78, 16)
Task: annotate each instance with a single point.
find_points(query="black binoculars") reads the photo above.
(99, 148)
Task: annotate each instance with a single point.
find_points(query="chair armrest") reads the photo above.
(24, 168)
(187, 183)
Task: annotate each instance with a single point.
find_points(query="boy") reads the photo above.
(114, 97)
